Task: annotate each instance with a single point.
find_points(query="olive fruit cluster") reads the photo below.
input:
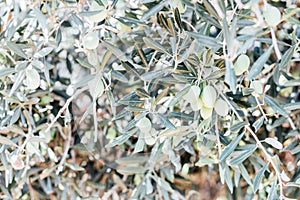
(145, 127)
(206, 102)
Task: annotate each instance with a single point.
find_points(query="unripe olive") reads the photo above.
(91, 41)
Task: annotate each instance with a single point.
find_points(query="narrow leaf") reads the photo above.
(131, 98)
(38, 64)
(58, 37)
(230, 148)
(135, 109)
(131, 124)
(204, 161)
(165, 121)
(241, 157)
(162, 94)
(75, 19)
(237, 176)
(258, 123)
(118, 140)
(274, 143)
(132, 160)
(119, 76)
(130, 21)
(273, 192)
(134, 121)
(178, 18)
(6, 71)
(105, 59)
(182, 130)
(259, 64)
(16, 115)
(122, 114)
(42, 21)
(142, 93)
(230, 77)
(236, 127)
(16, 49)
(86, 113)
(148, 76)
(228, 179)
(131, 170)
(246, 147)
(84, 63)
(116, 51)
(286, 58)
(206, 40)
(5, 140)
(173, 46)
(296, 150)
(43, 52)
(181, 115)
(216, 74)
(258, 177)
(141, 54)
(185, 78)
(30, 28)
(275, 106)
(228, 36)
(292, 83)
(210, 19)
(248, 43)
(210, 8)
(179, 96)
(130, 68)
(74, 166)
(19, 79)
(152, 11)
(37, 139)
(155, 45)
(164, 184)
(83, 81)
(245, 174)
(139, 145)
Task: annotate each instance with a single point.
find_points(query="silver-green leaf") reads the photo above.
(230, 148)
(275, 106)
(259, 64)
(258, 177)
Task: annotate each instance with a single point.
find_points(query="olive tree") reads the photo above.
(130, 99)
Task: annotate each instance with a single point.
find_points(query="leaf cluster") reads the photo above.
(134, 99)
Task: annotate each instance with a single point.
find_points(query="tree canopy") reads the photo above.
(146, 99)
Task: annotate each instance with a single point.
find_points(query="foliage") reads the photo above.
(131, 99)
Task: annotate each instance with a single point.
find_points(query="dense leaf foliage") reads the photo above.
(149, 99)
